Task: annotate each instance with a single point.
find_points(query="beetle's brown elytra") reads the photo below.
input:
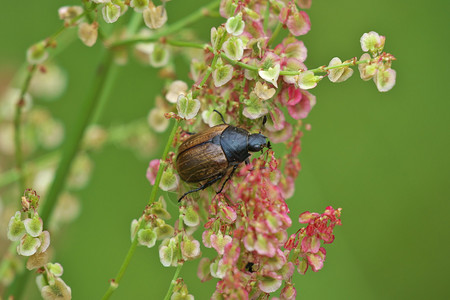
(199, 159)
(210, 154)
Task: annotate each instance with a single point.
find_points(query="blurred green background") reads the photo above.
(382, 157)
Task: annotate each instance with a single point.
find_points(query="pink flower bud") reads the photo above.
(152, 170)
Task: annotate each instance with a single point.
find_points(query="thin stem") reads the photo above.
(322, 69)
(348, 64)
(162, 164)
(114, 283)
(171, 28)
(275, 33)
(186, 44)
(209, 71)
(173, 282)
(266, 17)
(18, 127)
(135, 22)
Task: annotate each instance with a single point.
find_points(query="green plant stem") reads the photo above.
(173, 282)
(275, 33)
(171, 28)
(18, 127)
(135, 22)
(114, 283)
(266, 17)
(209, 71)
(322, 69)
(186, 44)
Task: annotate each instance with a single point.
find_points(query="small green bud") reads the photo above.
(159, 57)
(190, 249)
(233, 48)
(164, 231)
(147, 237)
(187, 107)
(37, 53)
(56, 269)
(139, 5)
(111, 12)
(216, 36)
(372, 42)
(307, 80)
(159, 209)
(16, 228)
(191, 217)
(169, 180)
(271, 74)
(254, 107)
(235, 25)
(222, 74)
(34, 225)
(28, 245)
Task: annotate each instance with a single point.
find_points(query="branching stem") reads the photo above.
(171, 28)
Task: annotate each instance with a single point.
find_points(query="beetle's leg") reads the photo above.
(220, 176)
(223, 120)
(247, 161)
(229, 177)
(188, 132)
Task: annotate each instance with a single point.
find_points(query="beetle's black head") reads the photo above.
(256, 142)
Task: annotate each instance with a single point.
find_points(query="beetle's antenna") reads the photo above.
(223, 120)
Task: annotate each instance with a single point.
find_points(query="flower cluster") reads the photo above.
(154, 16)
(177, 246)
(378, 64)
(248, 78)
(305, 243)
(26, 227)
(151, 225)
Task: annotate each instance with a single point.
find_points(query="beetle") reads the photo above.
(209, 155)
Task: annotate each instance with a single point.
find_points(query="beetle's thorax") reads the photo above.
(234, 141)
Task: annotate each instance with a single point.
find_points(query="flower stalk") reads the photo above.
(114, 283)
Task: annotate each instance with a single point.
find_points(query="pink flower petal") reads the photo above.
(298, 23)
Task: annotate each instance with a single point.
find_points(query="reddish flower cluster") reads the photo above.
(307, 240)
